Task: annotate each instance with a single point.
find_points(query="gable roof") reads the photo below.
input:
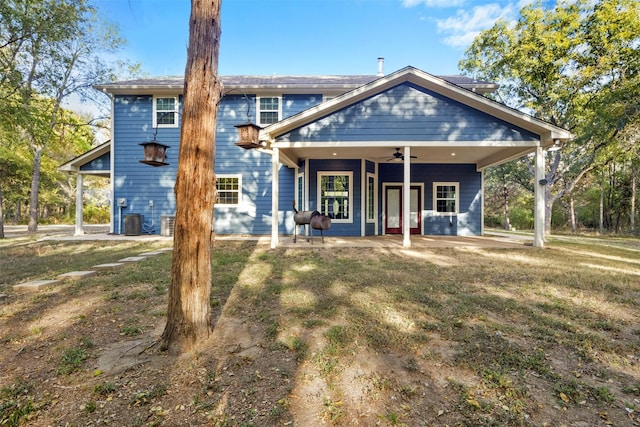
(74, 165)
(483, 153)
(284, 84)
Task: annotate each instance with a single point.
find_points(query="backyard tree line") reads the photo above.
(575, 64)
(51, 53)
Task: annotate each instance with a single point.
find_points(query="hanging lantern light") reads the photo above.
(248, 136)
(154, 152)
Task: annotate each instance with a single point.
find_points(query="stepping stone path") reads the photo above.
(108, 266)
(76, 275)
(132, 259)
(36, 285)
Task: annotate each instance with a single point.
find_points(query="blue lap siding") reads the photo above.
(408, 113)
(139, 183)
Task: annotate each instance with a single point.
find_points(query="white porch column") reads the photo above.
(363, 197)
(406, 199)
(275, 194)
(79, 217)
(540, 188)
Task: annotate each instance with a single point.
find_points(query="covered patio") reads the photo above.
(386, 119)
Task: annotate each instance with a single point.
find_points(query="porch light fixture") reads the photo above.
(154, 152)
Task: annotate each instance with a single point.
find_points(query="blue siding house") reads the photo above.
(397, 154)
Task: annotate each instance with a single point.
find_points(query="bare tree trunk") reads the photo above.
(632, 214)
(189, 313)
(572, 215)
(35, 190)
(1, 214)
(601, 227)
(507, 223)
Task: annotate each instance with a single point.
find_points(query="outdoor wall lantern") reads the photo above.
(248, 136)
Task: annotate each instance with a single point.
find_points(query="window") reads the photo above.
(334, 195)
(228, 189)
(165, 112)
(371, 198)
(268, 110)
(300, 192)
(445, 198)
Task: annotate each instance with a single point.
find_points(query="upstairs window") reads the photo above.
(445, 198)
(165, 112)
(228, 189)
(269, 110)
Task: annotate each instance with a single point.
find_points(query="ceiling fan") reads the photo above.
(398, 156)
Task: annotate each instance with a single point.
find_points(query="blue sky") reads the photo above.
(309, 37)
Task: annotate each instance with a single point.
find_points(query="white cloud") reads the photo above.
(464, 26)
(433, 3)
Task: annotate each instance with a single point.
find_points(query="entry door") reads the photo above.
(393, 214)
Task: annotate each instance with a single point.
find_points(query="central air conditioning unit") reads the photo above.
(167, 223)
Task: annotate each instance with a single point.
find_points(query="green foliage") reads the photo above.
(51, 49)
(16, 403)
(71, 361)
(576, 65)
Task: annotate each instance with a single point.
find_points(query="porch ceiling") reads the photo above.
(482, 157)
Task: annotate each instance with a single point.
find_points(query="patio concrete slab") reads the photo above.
(132, 259)
(77, 275)
(108, 266)
(35, 285)
(396, 242)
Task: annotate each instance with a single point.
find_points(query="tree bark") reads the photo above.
(35, 190)
(507, 223)
(189, 313)
(1, 214)
(601, 225)
(632, 214)
(572, 215)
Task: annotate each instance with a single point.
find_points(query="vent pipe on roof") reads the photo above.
(380, 64)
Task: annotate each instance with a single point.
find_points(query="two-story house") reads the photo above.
(402, 153)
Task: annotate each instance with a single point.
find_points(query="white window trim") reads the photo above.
(375, 198)
(435, 199)
(258, 110)
(319, 194)
(239, 176)
(176, 111)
